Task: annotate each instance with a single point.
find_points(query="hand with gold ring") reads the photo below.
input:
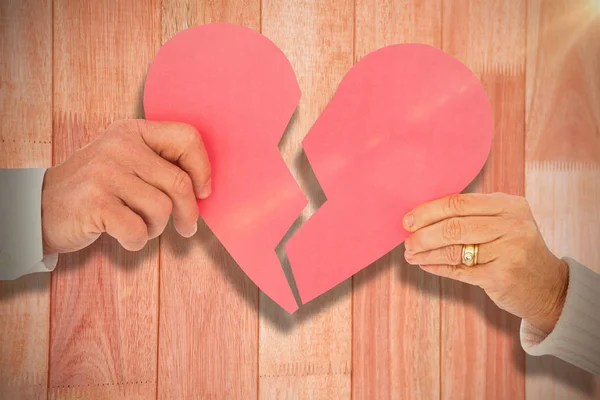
(492, 241)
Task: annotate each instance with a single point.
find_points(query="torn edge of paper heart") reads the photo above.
(227, 219)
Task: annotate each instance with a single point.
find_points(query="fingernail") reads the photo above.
(189, 233)
(193, 231)
(205, 190)
(409, 220)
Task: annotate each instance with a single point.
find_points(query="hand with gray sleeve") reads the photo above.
(127, 183)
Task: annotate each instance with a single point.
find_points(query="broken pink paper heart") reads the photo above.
(408, 124)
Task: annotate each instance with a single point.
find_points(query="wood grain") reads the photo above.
(308, 355)
(208, 347)
(115, 325)
(25, 141)
(396, 324)
(563, 157)
(103, 340)
(481, 355)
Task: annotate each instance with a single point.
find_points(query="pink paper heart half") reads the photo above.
(408, 124)
(239, 90)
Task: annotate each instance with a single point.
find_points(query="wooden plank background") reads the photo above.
(179, 320)
(25, 142)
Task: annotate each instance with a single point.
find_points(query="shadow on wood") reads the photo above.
(25, 284)
(556, 370)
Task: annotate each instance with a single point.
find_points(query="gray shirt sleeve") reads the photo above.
(576, 336)
(21, 250)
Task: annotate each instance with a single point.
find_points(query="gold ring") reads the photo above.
(469, 254)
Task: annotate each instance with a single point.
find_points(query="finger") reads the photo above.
(458, 205)
(176, 183)
(150, 203)
(457, 272)
(452, 255)
(181, 144)
(124, 225)
(461, 230)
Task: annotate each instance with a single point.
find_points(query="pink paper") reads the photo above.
(239, 90)
(408, 124)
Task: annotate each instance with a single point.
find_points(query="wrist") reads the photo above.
(555, 299)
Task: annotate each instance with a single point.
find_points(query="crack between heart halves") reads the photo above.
(307, 181)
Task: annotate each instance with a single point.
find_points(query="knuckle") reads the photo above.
(124, 136)
(113, 141)
(453, 229)
(190, 135)
(94, 191)
(182, 184)
(457, 203)
(453, 254)
(116, 130)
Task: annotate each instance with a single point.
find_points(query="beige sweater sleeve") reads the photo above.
(576, 336)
